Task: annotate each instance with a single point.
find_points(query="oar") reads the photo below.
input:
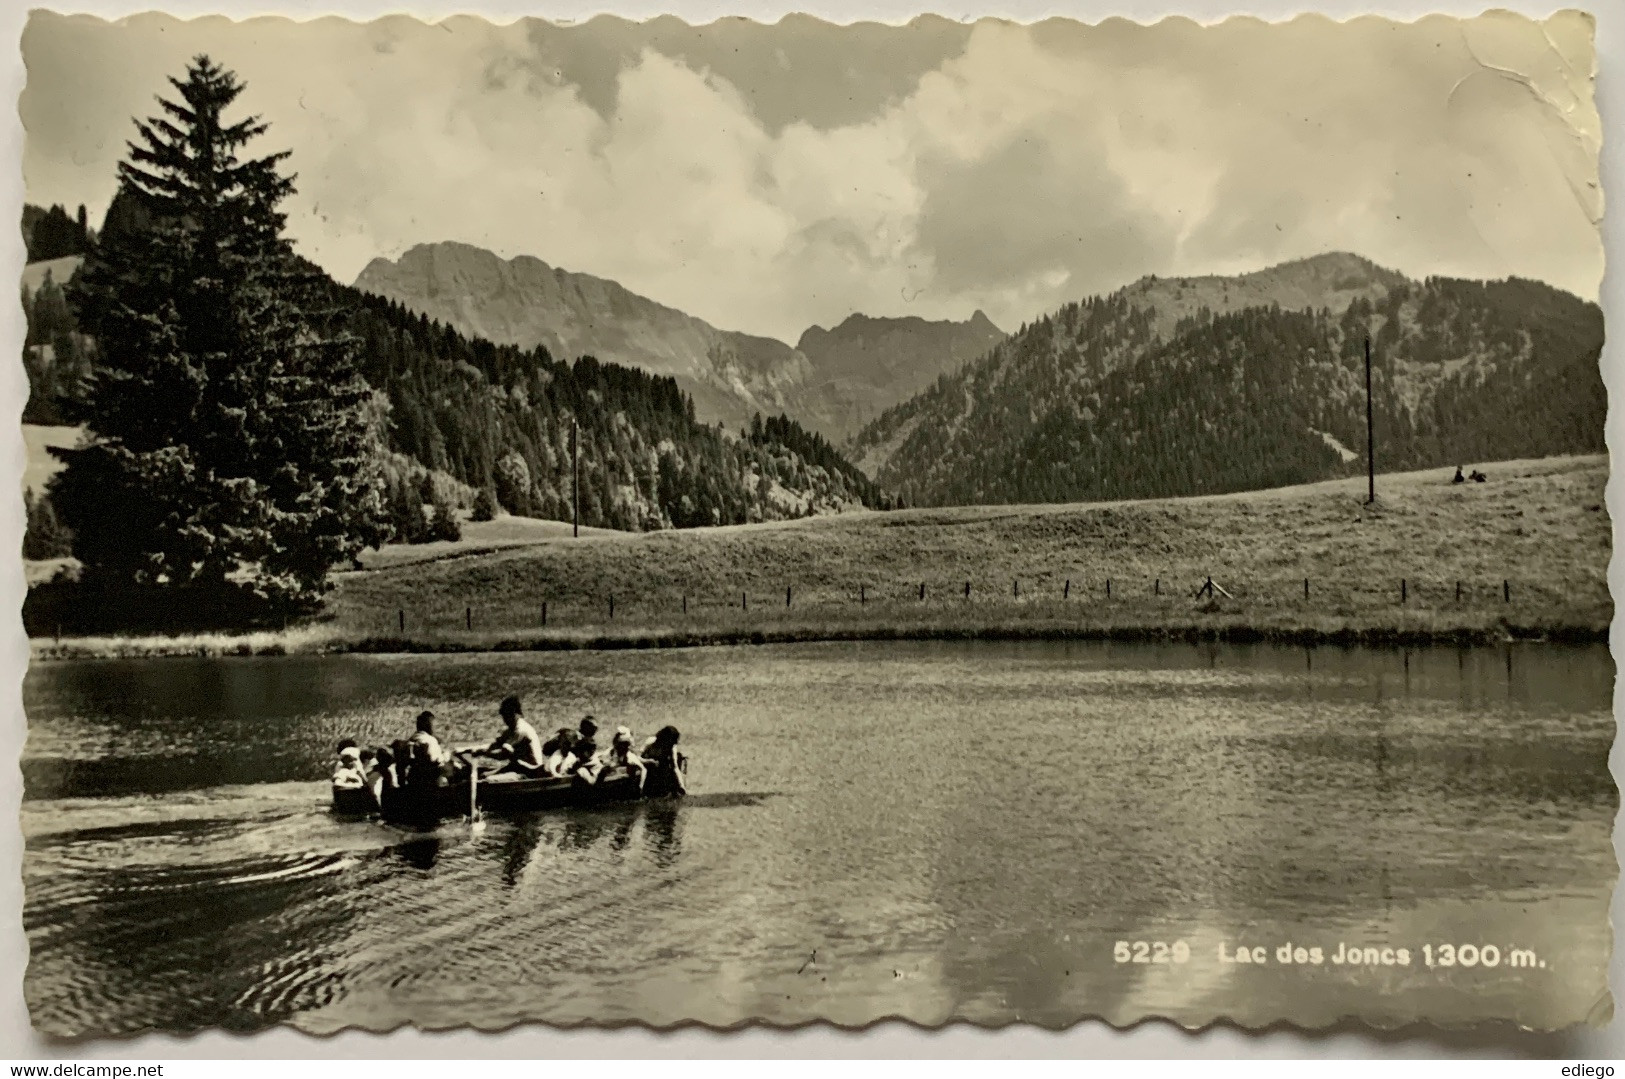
(476, 823)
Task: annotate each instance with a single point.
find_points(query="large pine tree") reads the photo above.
(233, 463)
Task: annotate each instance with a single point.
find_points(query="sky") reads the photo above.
(770, 177)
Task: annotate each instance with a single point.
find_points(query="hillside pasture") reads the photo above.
(1529, 549)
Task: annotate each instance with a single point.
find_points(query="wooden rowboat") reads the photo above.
(503, 794)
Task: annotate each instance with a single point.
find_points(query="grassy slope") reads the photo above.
(1539, 524)
(479, 537)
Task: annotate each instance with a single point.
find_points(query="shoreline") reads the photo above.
(310, 641)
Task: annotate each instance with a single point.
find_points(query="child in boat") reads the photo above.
(348, 774)
(587, 765)
(620, 755)
(558, 752)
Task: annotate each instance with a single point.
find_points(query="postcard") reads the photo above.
(638, 522)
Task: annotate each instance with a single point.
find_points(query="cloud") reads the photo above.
(770, 177)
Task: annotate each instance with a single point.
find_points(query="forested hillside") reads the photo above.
(1134, 395)
(500, 418)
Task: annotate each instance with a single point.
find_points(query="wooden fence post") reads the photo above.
(685, 602)
(922, 591)
(612, 606)
(787, 597)
(544, 612)
(1458, 591)
(1066, 589)
(1404, 590)
(468, 618)
(1015, 587)
(403, 619)
(863, 595)
(1306, 588)
(1156, 587)
(967, 590)
(1108, 588)
(1506, 591)
(744, 602)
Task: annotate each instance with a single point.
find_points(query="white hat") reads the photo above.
(623, 734)
(349, 753)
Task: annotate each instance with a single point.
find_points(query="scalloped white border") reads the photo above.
(890, 1039)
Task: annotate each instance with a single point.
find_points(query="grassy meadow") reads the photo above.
(1529, 548)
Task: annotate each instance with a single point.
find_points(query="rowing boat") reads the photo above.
(503, 793)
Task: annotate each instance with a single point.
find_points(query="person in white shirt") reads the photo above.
(518, 744)
(349, 775)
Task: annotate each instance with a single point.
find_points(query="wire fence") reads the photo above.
(1054, 595)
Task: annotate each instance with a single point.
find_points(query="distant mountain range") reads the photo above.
(1198, 385)
(866, 365)
(1169, 386)
(832, 381)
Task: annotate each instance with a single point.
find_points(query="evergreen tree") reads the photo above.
(232, 465)
(512, 477)
(485, 505)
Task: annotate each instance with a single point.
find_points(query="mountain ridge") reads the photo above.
(1174, 386)
(855, 369)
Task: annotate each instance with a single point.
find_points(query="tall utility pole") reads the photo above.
(1370, 433)
(575, 465)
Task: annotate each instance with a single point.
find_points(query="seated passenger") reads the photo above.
(587, 765)
(558, 752)
(381, 777)
(429, 761)
(664, 762)
(620, 755)
(518, 744)
(424, 742)
(348, 774)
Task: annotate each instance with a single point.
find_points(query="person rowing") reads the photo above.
(518, 744)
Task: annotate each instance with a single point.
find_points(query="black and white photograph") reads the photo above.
(961, 520)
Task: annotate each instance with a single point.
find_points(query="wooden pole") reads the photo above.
(685, 603)
(922, 591)
(1506, 591)
(787, 597)
(544, 612)
(1306, 588)
(402, 614)
(1370, 433)
(468, 618)
(1458, 591)
(1156, 587)
(575, 481)
(612, 608)
(1015, 587)
(1108, 588)
(1404, 590)
(863, 595)
(1066, 589)
(744, 602)
(967, 590)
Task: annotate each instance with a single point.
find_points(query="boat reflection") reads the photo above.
(610, 832)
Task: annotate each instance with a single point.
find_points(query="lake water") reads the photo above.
(919, 830)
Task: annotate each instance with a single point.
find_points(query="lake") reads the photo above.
(926, 830)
